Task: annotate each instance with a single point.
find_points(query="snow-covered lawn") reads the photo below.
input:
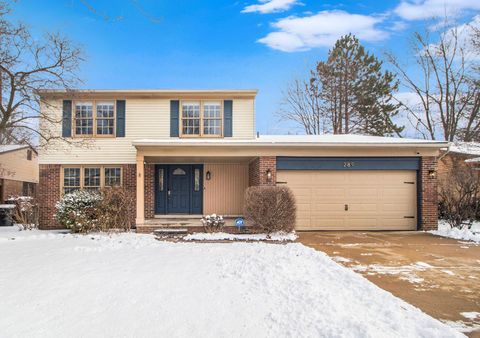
(127, 285)
(472, 234)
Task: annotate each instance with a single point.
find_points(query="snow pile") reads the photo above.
(221, 236)
(133, 285)
(472, 234)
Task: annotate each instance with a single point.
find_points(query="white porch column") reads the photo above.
(140, 189)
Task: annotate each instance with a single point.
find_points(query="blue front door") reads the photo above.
(178, 189)
(178, 194)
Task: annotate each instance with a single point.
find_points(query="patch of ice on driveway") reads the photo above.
(471, 315)
(366, 254)
(134, 285)
(219, 236)
(448, 272)
(405, 272)
(445, 230)
(340, 259)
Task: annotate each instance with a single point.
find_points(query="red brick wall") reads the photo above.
(130, 185)
(49, 192)
(257, 171)
(429, 204)
(149, 190)
(48, 195)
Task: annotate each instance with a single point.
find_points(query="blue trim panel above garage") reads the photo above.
(348, 163)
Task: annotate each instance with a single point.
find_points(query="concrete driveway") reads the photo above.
(441, 276)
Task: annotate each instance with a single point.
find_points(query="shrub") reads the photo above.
(78, 210)
(270, 208)
(25, 214)
(213, 223)
(458, 197)
(114, 208)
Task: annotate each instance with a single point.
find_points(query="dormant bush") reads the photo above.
(270, 208)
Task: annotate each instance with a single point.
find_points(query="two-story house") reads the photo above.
(187, 153)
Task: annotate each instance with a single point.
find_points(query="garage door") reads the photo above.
(353, 200)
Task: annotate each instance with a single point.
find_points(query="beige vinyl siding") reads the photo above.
(353, 200)
(145, 118)
(15, 166)
(224, 192)
(243, 118)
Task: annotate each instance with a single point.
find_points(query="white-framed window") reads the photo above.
(191, 118)
(212, 118)
(83, 118)
(105, 117)
(71, 180)
(94, 118)
(201, 118)
(90, 177)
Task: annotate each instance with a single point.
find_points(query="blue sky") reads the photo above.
(261, 44)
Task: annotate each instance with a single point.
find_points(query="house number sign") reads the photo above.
(348, 164)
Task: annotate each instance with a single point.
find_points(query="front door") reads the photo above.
(178, 189)
(178, 193)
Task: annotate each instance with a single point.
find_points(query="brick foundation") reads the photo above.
(49, 192)
(149, 190)
(429, 204)
(257, 171)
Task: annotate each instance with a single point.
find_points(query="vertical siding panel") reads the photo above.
(224, 192)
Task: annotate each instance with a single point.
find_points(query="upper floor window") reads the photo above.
(29, 154)
(95, 118)
(201, 118)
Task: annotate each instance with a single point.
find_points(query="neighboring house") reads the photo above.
(18, 171)
(458, 155)
(186, 153)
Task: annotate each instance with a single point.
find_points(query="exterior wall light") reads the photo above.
(269, 175)
(208, 175)
(432, 174)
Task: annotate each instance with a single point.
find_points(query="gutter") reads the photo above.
(435, 145)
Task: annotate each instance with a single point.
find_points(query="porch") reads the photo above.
(176, 191)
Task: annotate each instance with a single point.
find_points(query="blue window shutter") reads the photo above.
(174, 112)
(67, 119)
(227, 118)
(121, 118)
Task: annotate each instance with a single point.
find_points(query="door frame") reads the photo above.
(160, 205)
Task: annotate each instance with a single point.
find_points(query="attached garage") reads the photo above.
(352, 193)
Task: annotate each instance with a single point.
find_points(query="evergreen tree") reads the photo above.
(355, 92)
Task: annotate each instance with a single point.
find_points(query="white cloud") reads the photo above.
(426, 9)
(295, 33)
(271, 6)
(464, 34)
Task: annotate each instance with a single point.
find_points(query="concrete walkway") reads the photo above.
(441, 276)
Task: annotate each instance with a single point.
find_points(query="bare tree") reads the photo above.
(302, 105)
(444, 85)
(28, 65)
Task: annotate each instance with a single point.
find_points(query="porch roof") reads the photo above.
(294, 141)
